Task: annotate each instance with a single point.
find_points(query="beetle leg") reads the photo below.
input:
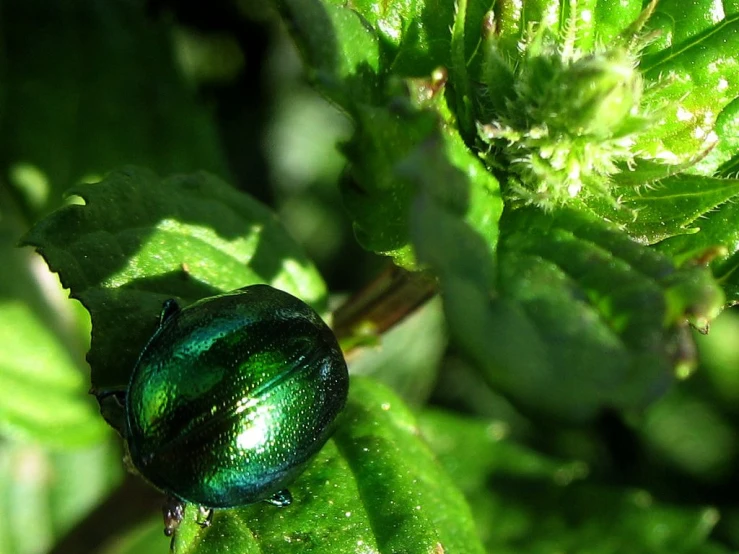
(113, 409)
(169, 308)
(205, 516)
(280, 498)
(173, 511)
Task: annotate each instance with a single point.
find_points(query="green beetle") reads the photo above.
(231, 398)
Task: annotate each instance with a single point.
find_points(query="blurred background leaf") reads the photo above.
(527, 502)
(45, 492)
(92, 87)
(42, 397)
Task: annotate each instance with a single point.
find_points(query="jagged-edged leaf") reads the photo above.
(698, 75)
(340, 50)
(719, 239)
(645, 172)
(140, 240)
(527, 503)
(668, 207)
(408, 38)
(384, 178)
(573, 316)
(623, 306)
(718, 160)
(375, 196)
(375, 487)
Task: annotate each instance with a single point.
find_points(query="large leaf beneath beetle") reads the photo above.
(140, 240)
(375, 488)
(527, 503)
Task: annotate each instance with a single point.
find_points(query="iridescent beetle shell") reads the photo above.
(233, 395)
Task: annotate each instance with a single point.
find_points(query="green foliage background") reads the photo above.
(548, 402)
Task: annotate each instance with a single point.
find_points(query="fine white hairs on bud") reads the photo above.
(568, 119)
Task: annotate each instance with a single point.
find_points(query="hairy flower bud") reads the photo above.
(567, 120)
(599, 92)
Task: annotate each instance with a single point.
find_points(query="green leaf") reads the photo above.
(697, 77)
(414, 36)
(406, 358)
(720, 355)
(376, 198)
(43, 494)
(719, 236)
(375, 487)
(608, 314)
(463, 188)
(96, 89)
(44, 395)
(525, 502)
(723, 158)
(645, 172)
(686, 431)
(672, 206)
(340, 51)
(140, 240)
(575, 318)
(687, 20)
(142, 539)
(391, 149)
(386, 131)
(611, 18)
